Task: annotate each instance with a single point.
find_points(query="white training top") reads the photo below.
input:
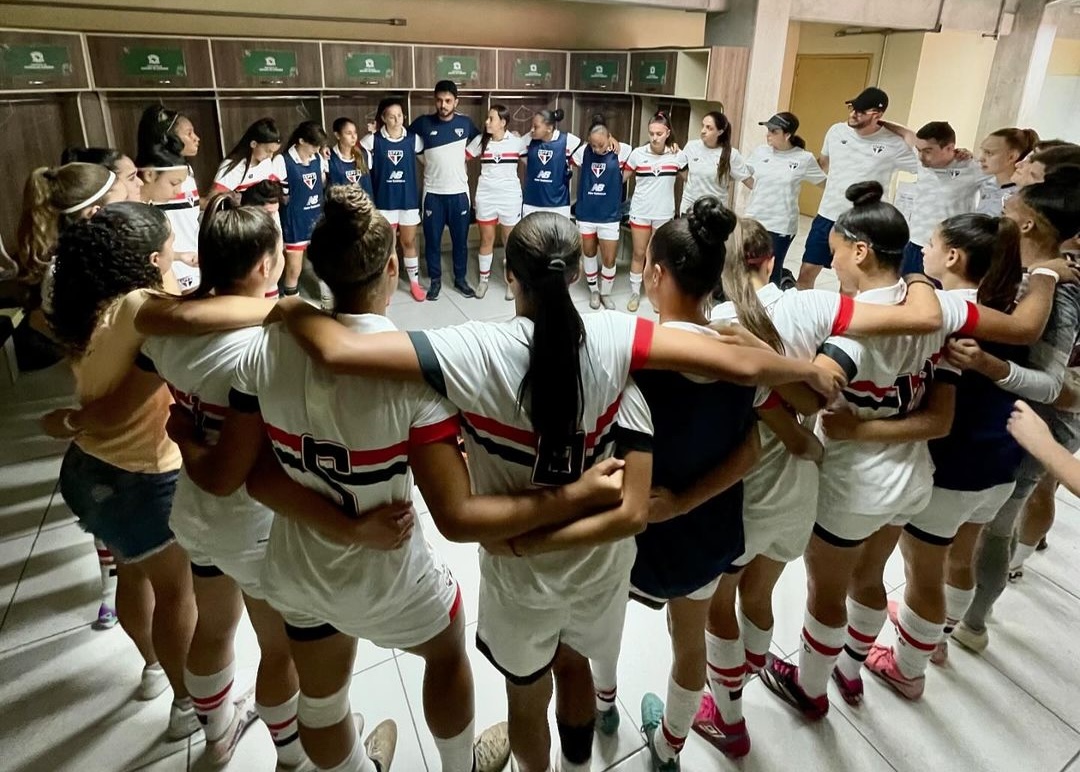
(654, 182)
(199, 371)
(702, 179)
(774, 201)
(243, 175)
(348, 438)
(499, 166)
(479, 366)
(941, 194)
(887, 378)
(992, 196)
(854, 158)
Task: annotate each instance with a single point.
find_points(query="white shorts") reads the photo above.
(398, 217)
(243, 568)
(563, 210)
(948, 510)
(849, 529)
(647, 223)
(782, 533)
(492, 210)
(605, 231)
(521, 642)
(702, 593)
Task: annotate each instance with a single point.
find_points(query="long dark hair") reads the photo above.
(877, 223)
(543, 253)
(359, 156)
(262, 132)
(992, 248)
(723, 125)
(232, 241)
(308, 131)
(102, 259)
(504, 114)
(748, 246)
(351, 242)
(385, 103)
(156, 124)
(1057, 200)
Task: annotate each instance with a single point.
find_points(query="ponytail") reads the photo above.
(504, 115)
(723, 125)
(991, 246)
(232, 241)
(797, 141)
(748, 246)
(1023, 141)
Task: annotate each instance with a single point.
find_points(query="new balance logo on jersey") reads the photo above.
(395, 156)
(543, 174)
(312, 201)
(434, 133)
(544, 155)
(309, 179)
(597, 189)
(397, 176)
(878, 149)
(598, 170)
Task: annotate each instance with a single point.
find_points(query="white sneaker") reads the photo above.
(219, 752)
(152, 683)
(972, 640)
(482, 288)
(633, 303)
(182, 722)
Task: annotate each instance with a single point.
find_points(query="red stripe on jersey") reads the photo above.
(499, 429)
(502, 156)
(372, 457)
(218, 187)
(844, 314)
(441, 430)
(972, 320)
(772, 401)
(281, 437)
(642, 347)
(872, 388)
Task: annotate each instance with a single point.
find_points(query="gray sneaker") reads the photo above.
(607, 302)
(381, 744)
(594, 299)
(482, 288)
(491, 749)
(633, 303)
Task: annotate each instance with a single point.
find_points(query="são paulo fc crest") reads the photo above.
(954, 174)
(395, 156)
(656, 171)
(878, 149)
(793, 165)
(309, 180)
(352, 175)
(544, 155)
(460, 132)
(599, 169)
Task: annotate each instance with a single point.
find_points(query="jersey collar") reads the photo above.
(769, 294)
(366, 323)
(884, 296)
(404, 133)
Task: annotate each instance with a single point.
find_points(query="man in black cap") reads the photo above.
(860, 149)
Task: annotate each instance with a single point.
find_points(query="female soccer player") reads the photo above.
(397, 190)
(712, 163)
(350, 164)
(161, 126)
(599, 207)
(498, 192)
(778, 168)
(164, 173)
(547, 165)
(113, 160)
(254, 158)
(305, 179)
(999, 154)
(654, 167)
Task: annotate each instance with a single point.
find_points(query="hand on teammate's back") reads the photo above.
(600, 486)
(387, 527)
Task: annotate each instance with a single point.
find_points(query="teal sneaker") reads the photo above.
(652, 715)
(607, 721)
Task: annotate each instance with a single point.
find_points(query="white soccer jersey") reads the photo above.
(498, 166)
(479, 366)
(242, 176)
(992, 196)
(654, 182)
(854, 158)
(887, 378)
(347, 438)
(941, 194)
(199, 371)
(702, 180)
(774, 201)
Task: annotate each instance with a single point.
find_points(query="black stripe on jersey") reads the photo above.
(941, 375)
(653, 174)
(513, 455)
(429, 363)
(244, 403)
(356, 479)
(833, 539)
(176, 206)
(145, 363)
(628, 440)
(838, 355)
(872, 402)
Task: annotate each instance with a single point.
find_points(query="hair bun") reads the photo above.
(710, 222)
(348, 203)
(865, 193)
(557, 114)
(598, 120)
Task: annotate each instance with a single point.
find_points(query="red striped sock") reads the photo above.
(821, 645)
(864, 626)
(726, 659)
(210, 694)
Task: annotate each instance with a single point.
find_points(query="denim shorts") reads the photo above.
(129, 511)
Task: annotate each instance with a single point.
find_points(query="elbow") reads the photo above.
(941, 428)
(634, 517)
(454, 529)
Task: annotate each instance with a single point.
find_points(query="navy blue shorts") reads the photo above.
(912, 259)
(129, 511)
(780, 246)
(817, 250)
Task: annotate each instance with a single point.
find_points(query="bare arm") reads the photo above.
(1034, 436)
(163, 315)
(799, 441)
(930, 422)
(805, 400)
(903, 132)
(724, 475)
(823, 162)
(1026, 323)
(220, 469)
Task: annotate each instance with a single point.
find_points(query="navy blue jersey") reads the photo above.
(304, 183)
(444, 144)
(547, 171)
(393, 173)
(344, 172)
(600, 185)
(697, 428)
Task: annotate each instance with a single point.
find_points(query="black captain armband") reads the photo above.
(838, 355)
(145, 363)
(243, 403)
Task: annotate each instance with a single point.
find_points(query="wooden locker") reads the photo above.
(266, 64)
(142, 62)
(239, 112)
(372, 66)
(41, 61)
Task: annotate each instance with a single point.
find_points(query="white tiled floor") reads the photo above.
(67, 690)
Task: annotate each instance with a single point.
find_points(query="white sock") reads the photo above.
(1022, 553)
(756, 642)
(284, 730)
(726, 669)
(605, 682)
(635, 283)
(485, 266)
(957, 602)
(107, 563)
(211, 696)
(356, 761)
(916, 639)
(679, 712)
(607, 279)
(821, 645)
(456, 753)
(864, 625)
(590, 271)
(412, 269)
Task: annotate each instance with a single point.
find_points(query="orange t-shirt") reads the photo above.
(139, 442)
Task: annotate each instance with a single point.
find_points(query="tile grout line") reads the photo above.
(26, 562)
(412, 716)
(1070, 762)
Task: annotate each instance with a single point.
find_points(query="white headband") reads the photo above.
(109, 182)
(164, 168)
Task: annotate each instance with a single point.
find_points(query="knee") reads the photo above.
(323, 712)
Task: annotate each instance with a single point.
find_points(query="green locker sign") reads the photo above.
(41, 62)
(533, 70)
(600, 70)
(270, 64)
(652, 72)
(369, 67)
(460, 69)
(157, 62)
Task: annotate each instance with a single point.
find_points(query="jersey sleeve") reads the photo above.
(244, 393)
(824, 314)
(280, 171)
(624, 153)
(473, 149)
(416, 128)
(455, 360)
(472, 130)
(633, 161)
(812, 171)
(830, 137)
(959, 317)
(907, 158)
(573, 141)
(845, 352)
(434, 419)
(633, 423)
(368, 143)
(144, 360)
(724, 312)
(578, 156)
(681, 160)
(740, 170)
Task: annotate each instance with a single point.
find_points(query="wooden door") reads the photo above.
(239, 112)
(822, 84)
